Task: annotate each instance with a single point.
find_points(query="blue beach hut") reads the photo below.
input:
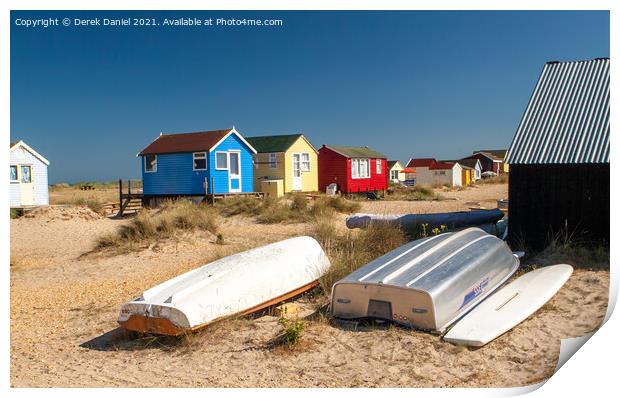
(195, 164)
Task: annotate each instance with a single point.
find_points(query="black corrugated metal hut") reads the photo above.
(559, 157)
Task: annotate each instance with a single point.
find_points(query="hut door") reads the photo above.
(296, 172)
(26, 186)
(234, 171)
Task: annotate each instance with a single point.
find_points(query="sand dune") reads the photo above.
(64, 306)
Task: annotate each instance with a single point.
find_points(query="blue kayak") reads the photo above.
(412, 223)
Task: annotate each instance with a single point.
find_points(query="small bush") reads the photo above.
(174, 216)
(293, 329)
(16, 213)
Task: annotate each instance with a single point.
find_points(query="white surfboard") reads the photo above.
(509, 306)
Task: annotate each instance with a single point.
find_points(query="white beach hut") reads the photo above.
(28, 176)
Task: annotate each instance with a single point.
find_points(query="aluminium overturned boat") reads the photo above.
(428, 283)
(238, 284)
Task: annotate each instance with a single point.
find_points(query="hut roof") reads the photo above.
(356, 152)
(567, 118)
(275, 143)
(189, 142)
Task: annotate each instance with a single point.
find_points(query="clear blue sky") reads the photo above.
(408, 84)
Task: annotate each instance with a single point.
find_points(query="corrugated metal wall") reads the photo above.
(567, 118)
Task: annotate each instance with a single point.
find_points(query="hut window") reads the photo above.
(305, 162)
(150, 163)
(272, 161)
(360, 168)
(200, 160)
(221, 161)
(26, 177)
(378, 166)
(394, 174)
(13, 173)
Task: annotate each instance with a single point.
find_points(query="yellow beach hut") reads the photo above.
(284, 163)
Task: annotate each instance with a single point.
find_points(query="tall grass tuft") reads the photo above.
(15, 213)
(93, 204)
(564, 247)
(337, 203)
(349, 250)
(297, 209)
(173, 217)
(239, 205)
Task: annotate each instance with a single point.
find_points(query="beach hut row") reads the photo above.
(222, 162)
(461, 172)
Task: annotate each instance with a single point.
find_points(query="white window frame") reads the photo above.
(21, 173)
(16, 180)
(273, 160)
(194, 161)
(305, 164)
(154, 170)
(378, 168)
(394, 175)
(356, 168)
(225, 156)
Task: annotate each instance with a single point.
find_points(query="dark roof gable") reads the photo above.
(356, 152)
(185, 142)
(275, 143)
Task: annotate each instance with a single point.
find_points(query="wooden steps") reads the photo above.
(132, 206)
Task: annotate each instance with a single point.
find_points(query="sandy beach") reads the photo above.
(65, 300)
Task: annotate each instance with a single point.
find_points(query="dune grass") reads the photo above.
(415, 193)
(173, 217)
(498, 179)
(16, 213)
(294, 209)
(63, 194)
(349, 250)
(584, 255)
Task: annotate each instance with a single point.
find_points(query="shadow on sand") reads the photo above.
(120, 339)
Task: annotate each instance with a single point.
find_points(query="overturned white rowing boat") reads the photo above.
(239, 284)
(428, 283)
